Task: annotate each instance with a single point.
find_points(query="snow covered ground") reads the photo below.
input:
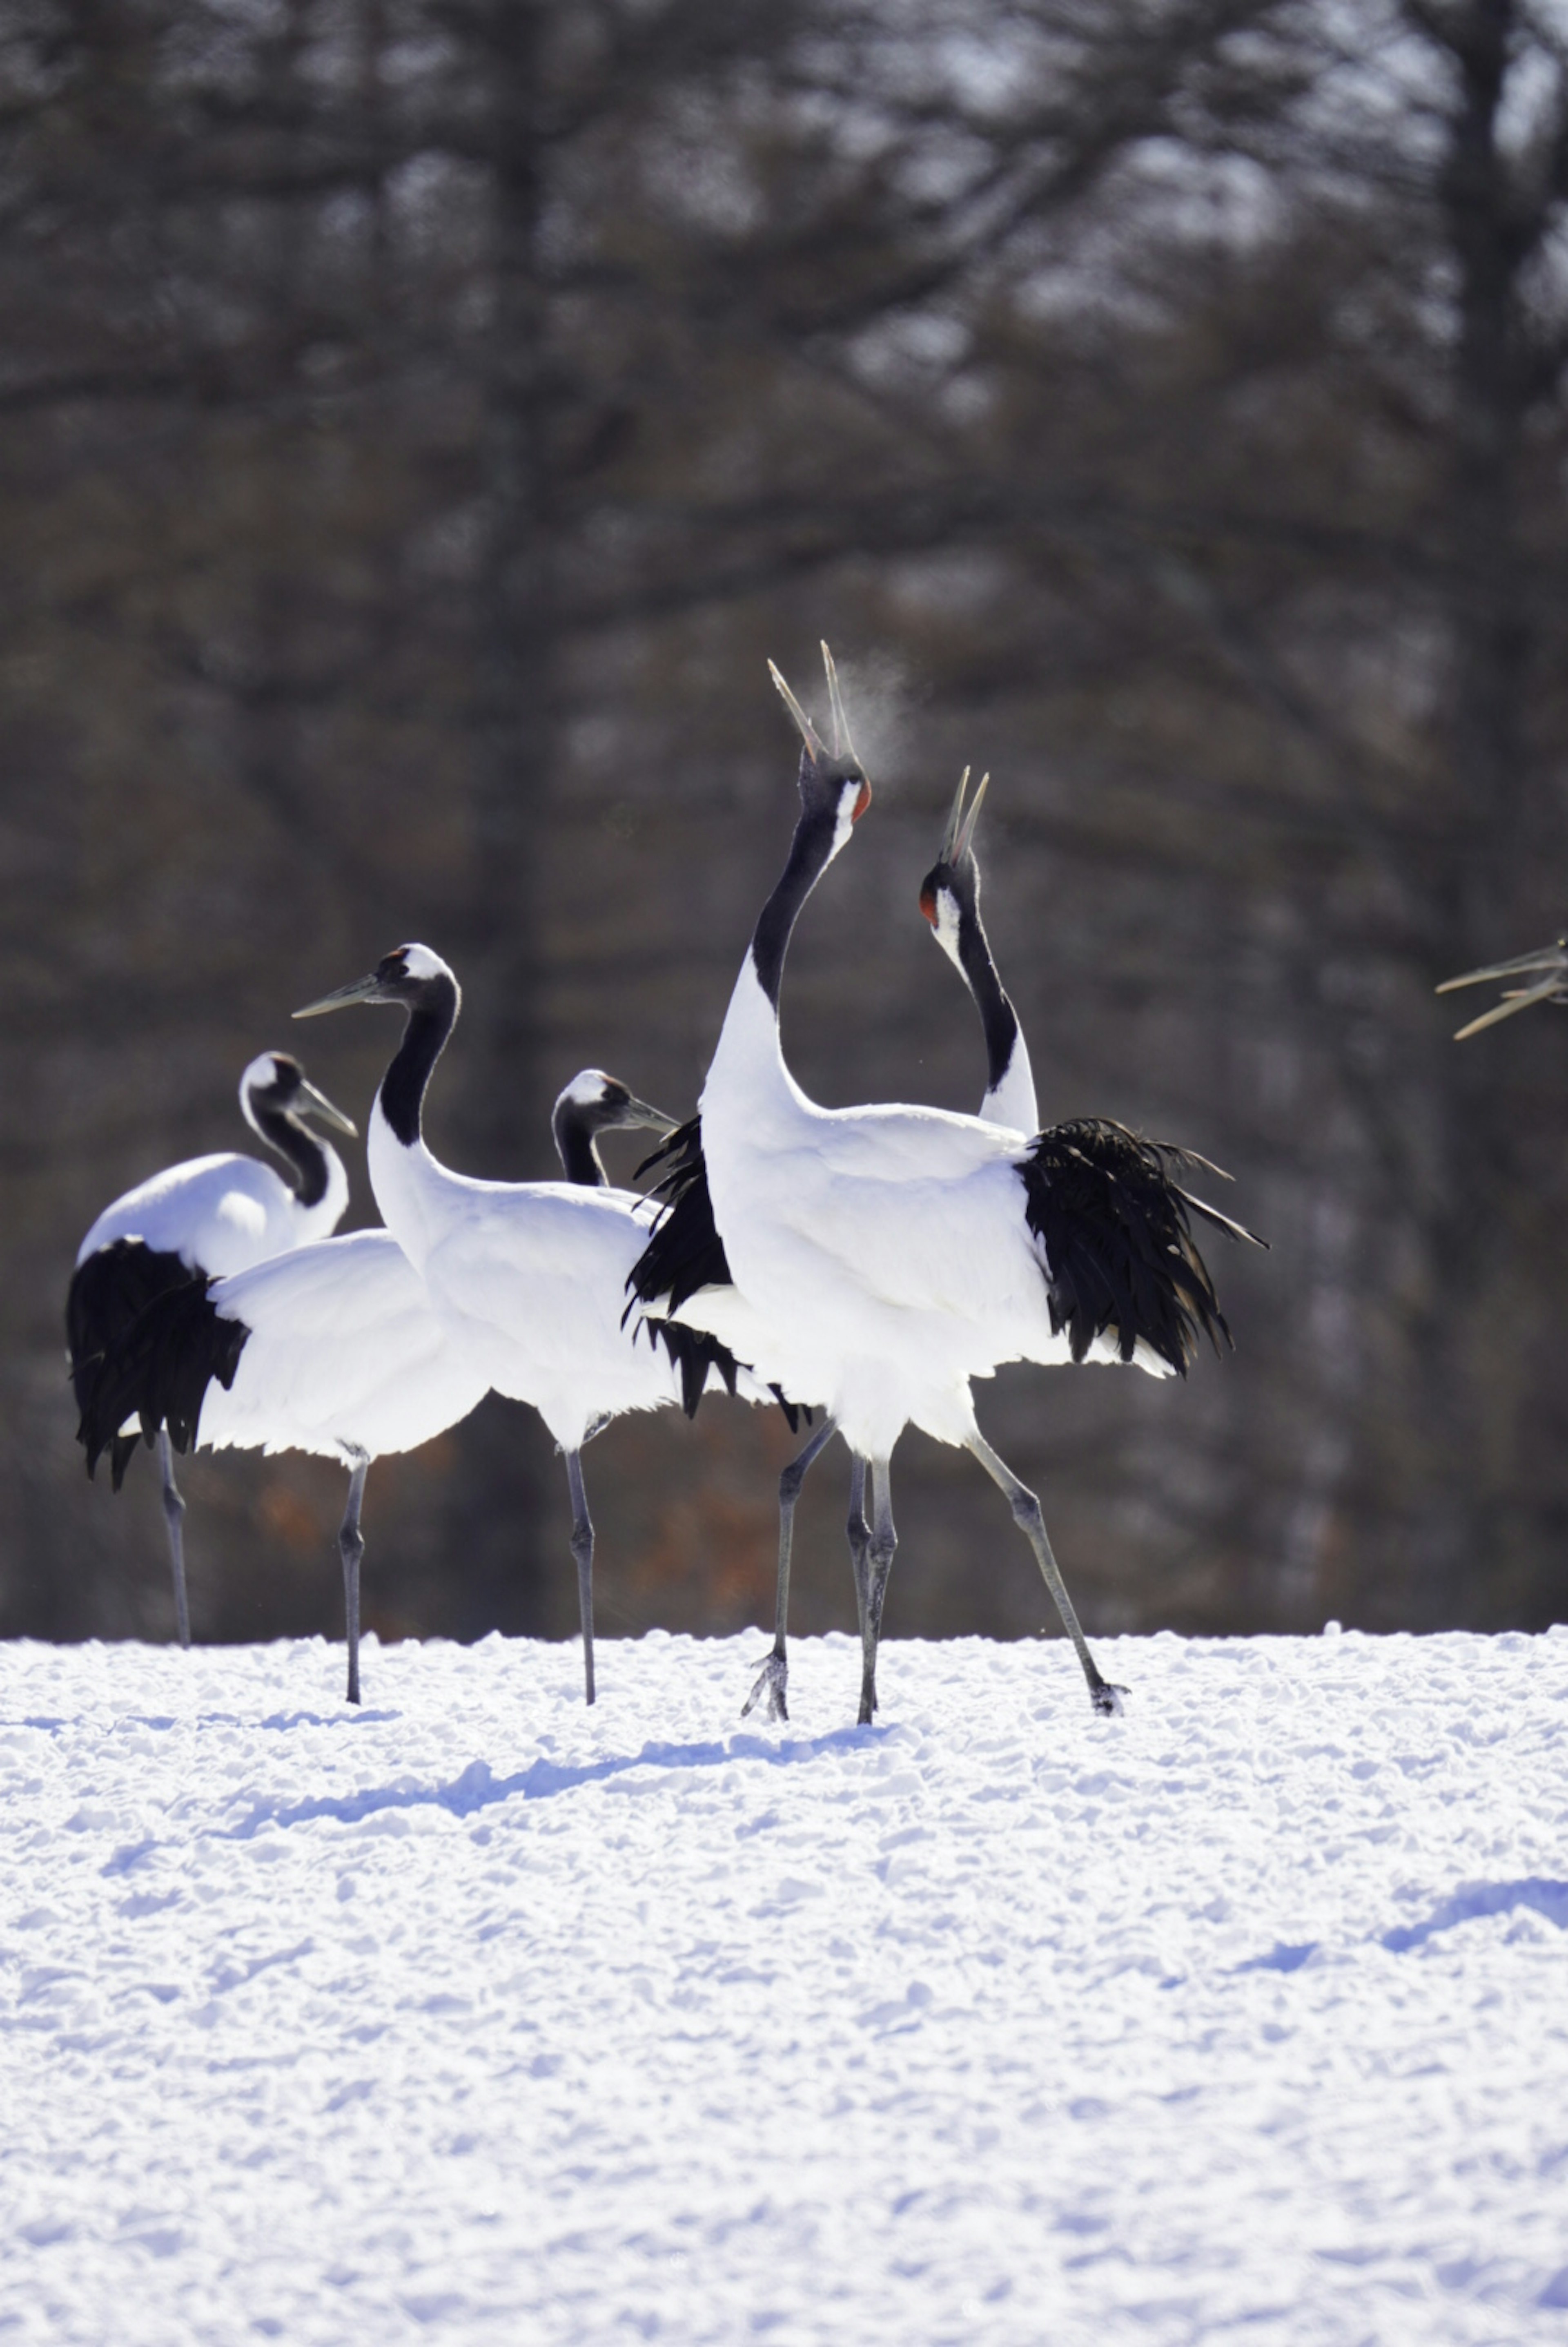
(477, 2016)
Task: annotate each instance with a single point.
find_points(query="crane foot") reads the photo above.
(770, 1690)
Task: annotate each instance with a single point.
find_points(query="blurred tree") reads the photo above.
(424, 414)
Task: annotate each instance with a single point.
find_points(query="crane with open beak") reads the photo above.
(1547, 966)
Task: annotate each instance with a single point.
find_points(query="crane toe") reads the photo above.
(770, 1689)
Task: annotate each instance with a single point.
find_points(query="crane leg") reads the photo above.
(876, 1563)
(772, 1685)
(351, 1549)
(173, 1517)
(1106, 1699)
(860, 1533)
(582, 1558)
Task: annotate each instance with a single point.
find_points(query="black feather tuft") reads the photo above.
(107, 1292)
(685, 1253)
(1119, 1255)
(158, 1370)
(694, 1353)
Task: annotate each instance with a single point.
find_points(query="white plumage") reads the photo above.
(883, 1257)
(215, 1214)
(223, 1213)
(528, 1279)
(344, 1357)
(335, 1347)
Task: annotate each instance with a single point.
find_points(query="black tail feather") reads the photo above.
(1120, 1256)
(158, 1370)
(107, 1292)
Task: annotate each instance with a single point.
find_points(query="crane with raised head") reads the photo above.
(881, 1257)
(688, 1250)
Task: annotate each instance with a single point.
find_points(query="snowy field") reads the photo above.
(479, 2017)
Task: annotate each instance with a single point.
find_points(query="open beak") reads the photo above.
(843, 743)
(363, 989)
(1550, 959)
(314, 1103)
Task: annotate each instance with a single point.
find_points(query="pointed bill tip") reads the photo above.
(954, 820)
(1511, 1005)
(966, 837)
(1554, 957)
(843, 743)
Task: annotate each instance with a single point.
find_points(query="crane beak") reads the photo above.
(314, 1103)
(1520, 999)
(966, 835)
(843, 746)
(363, 989)
(809, 734)
(1550, 959)
(637, 1115)
(954, 823)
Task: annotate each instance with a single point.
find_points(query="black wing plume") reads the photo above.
(685, 1253)
(1113, 1223)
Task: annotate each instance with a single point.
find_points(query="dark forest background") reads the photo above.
(419, 419)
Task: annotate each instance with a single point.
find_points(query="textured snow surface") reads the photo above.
(477, 2016)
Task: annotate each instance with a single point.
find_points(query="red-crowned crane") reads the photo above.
(883, 1257)
(526, 1278)
(333, 1348)
(215, 1214)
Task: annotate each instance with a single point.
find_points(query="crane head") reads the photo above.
(950, 893)
(411, 976)
(826, 774)
(602, 1103)
(277, 1082)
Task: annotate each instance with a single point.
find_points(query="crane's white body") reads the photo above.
(345, 1357)
(882, 1253)
(220, 1213)
(528, 1279)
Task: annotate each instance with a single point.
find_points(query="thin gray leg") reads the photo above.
(879, 1562)
(1106, 1699)
(860, 1538)
(773, 1681)
(351, 1549)
(173, 1517)
(583, 1557)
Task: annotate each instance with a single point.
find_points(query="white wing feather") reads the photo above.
(345, 1354)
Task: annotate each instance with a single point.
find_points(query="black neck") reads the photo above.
(430, 1022)
(304, 1157)
(575, 1145)
(997, 1015)
(810, 852)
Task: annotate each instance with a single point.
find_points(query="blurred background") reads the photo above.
(422, 419)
